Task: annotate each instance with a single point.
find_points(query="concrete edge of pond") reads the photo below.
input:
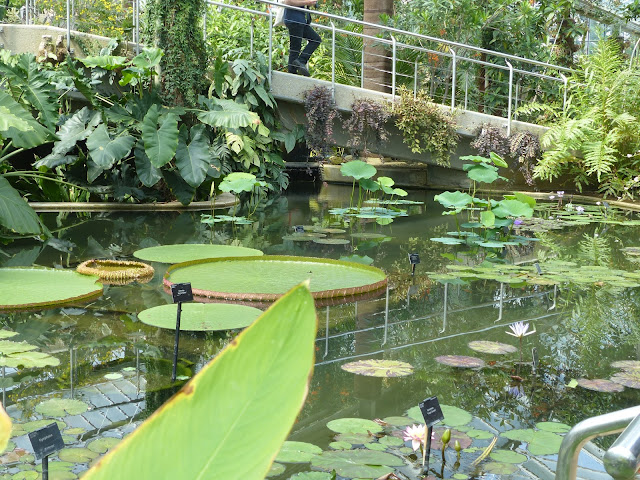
(224, 200)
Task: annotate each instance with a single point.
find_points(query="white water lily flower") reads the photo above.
(520, 329)
(415, 433)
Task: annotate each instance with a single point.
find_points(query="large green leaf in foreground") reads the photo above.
(15, 213)
(231, 419)
(24, 288)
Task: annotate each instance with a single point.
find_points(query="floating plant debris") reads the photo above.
(379, 368)
(29, 288)
(272, 276)
(497, 348)
(201, 316)
(460, 361)
(192, 251)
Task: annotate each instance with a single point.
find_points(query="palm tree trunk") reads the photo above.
(377, 59)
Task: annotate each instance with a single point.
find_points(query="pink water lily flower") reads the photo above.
(416, 434)
(520, 329)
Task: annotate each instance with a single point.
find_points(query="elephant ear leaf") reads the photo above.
(193, 159)
(15, 213)
(229, 114)
(29, 138)
(259, 381)
(160, 136)
(147, 173)
(106, 151)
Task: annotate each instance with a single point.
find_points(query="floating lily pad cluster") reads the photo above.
(318, 234)
(628, 376)
(379, 368)
(22, 354)
(555, 272)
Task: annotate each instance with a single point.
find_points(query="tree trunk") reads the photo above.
(377, 59)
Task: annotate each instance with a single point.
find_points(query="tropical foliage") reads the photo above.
(596, 142)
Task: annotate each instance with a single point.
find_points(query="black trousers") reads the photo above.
(298, 31)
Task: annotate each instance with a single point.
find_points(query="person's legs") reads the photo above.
(314, 42)
(296, 31)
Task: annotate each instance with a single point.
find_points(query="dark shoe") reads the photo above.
(302, 68)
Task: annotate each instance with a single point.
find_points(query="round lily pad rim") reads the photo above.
(53, 303)
(192, 305)
(258, 253)
(333, 293)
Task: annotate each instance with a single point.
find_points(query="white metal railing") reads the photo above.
(457, 56)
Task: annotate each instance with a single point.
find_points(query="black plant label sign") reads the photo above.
(298, 229)
(181, 292)
(414, 258)
(46, 441)
(431, 411)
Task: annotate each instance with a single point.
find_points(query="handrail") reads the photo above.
(586, 430)
(621, 460)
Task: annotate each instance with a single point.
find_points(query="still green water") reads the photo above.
(577, 336)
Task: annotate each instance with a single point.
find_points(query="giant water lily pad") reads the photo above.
(201, 316)
(192, 251)
(354, 425)
(379, 368)
(272, 276)
(497, 348)
(628, 378)
(297, 452)
(59, 407)
(360, 463)
(28, 288)
(460, 361)
(29, 360)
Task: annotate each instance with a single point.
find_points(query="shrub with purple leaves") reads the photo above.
(321, 111)
(491, 139)
(525, 147)
(366, 125)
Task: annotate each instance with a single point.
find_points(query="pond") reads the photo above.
(118, 369)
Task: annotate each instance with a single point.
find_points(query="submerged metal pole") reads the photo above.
(393, 69)
(501, 302)
(386, 317)
(510, 97)
(333, 61)
(326, 336)
(444, 319)
(586, 430)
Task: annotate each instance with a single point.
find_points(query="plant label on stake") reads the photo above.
(432, 414)
(46, 441)
(181, 292)
(538, 269)
(414, 259)
(298, 229)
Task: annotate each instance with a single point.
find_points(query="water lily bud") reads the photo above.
(457, 446)
(446, 436)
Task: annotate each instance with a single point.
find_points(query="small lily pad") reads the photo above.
(359, 463)
(355, 438)
(480, 434)
(539, 442)
(113, 376)
(555, 427)
(628, 378)
(627, 364)
(7, 334)
(340, 445)
(495, 348)
(398, 421)
(59, 407)
(375, 446)
(507, 456)
(600, 385)
(76, 455)
(331, 241)
(379, 368)
(354, 425)
(460, 361)
(454, 416)
(276, 469)
(103, 444)
(297, 452)
(368, 235)
(391, 441)
(312, 476)
(201, 316)
(499, 468)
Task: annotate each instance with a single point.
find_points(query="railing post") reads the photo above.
(453, 80)
(393, 69)
(515, 101)
(621, 460)
(415, 80)
(510, 94)
(362, 67)
(564, 95)
(271, 47)
(586, 430)
(252, 33)
(466, 89)
(137, 26)
(204, 22)
(68, 26)
(333, 61)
